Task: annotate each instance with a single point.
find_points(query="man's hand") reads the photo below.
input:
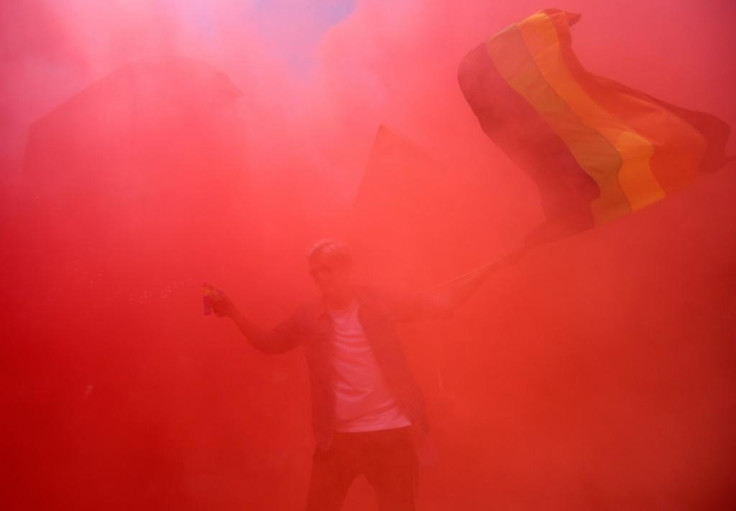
(278, 340)
(218, 302)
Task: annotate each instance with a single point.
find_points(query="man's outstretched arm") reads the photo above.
(280, 339)
(441, 301)
(449, 296)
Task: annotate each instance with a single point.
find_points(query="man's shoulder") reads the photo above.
(308, 312)
(363, 292)
(385, 295)
(313, 309)
(383, 301)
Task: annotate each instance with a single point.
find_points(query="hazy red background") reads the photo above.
(149, 146)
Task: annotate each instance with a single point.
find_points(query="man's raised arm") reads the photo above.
(439, 302)
(280, 339)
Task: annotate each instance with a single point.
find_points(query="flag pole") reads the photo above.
(479, 274)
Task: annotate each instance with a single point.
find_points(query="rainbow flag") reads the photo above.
(598, 150)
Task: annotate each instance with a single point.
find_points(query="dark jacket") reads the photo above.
(378, 314)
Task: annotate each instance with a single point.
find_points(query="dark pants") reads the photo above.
(386, 458)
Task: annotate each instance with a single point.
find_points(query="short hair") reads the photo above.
(334, 249)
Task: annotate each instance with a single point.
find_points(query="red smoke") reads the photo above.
(147, 147)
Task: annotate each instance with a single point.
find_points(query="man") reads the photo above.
(365, 401)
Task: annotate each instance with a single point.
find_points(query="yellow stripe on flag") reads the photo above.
(635, 175)
(594, 153)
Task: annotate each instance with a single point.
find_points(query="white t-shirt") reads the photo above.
(363, 401)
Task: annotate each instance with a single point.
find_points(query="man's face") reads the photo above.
(330, 273)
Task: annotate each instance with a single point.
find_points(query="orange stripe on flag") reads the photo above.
(679, 148)
(596, 155)
(635, 175)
